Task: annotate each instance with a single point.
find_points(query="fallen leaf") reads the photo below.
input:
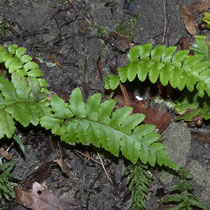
(189, 13)
(113, 64)
(42, 198)
(158, 117)
(5, 154)
(184, 43)
(99, 67)
(39, 175)
(199, 136)
(64, 167)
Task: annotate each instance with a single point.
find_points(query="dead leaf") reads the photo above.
(184, 43)
(158, 117)
(189, 13)
(113, 64)
(204, 137)
(42, 198)
(64, 167)
(5, 154)
(39, 175)
(99, 67)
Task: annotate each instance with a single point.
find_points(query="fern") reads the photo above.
(163, 63)
(96, 123)
(191, 102)
(23, 97)
(138, 181)
(182, 195)
(6, 185)
(201, 46)
(189, 105)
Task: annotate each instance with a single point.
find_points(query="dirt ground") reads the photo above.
(53, 30)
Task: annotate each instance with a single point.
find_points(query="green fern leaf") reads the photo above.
(138, 181)
(201, 46)
(60, 108)
(195, 105)
(7, 125)
(97, 124)
(22, 98)
(92, 107)
(177, 68)
(77, 105)
(12, 48)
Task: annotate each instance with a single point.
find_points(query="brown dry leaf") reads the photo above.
(189, 13)
(204, 137)
(99, 67)
(64, 167)
(42, 198)
(119, 41)
(5, 154)
(39, 175)
(158, 117)
(113, 64)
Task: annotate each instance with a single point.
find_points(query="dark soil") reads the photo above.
(54, 28)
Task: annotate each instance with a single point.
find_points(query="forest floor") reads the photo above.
(72, 53)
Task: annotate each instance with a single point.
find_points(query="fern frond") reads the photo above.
(138, 181)
(167, 65)
(195, 105)
(22, 98)
(96, 123)
(7, 186)
(201, 46)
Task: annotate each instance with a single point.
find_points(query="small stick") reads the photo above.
(165, 29)
(87, 156)
(71, 2)
(102, 164)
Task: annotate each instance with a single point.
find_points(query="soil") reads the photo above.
(53, 30)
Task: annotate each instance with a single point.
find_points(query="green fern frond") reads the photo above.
(182, 194)
(138, 181)
(6, 185)
(96, 123)
(195, 105)
(201, 46)
(22, 98)
(167, 65)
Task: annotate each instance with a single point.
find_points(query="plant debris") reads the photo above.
(42, 198)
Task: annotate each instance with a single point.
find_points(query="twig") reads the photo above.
(102, 164)
(165, 29)
(87, 156)
(71, 2)
(83, 183)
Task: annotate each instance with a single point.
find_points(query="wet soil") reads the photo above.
(53, 30)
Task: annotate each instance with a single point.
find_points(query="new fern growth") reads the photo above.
(182, 194)
(138, 181)
(6, 185)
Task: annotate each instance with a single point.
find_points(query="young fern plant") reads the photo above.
(138, 179)
(181, 195)
(169, 66)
